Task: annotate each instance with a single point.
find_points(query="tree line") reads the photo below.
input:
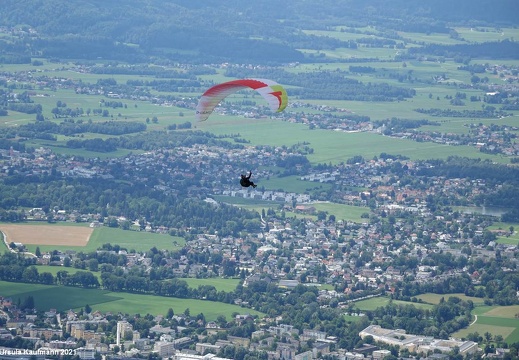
(328, 85)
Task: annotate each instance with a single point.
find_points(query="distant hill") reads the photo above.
(212, 30)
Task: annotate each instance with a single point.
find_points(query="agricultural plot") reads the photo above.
(57, 297)
(495, 320)
(332, 146)
(484, 34)
(432, 38)
(328, 146)
(360, 52)
(83, 238)
(339, 34)
(481, 328)
(75, 236)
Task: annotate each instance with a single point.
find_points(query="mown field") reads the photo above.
(65, 298)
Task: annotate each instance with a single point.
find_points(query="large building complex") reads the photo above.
(417, 343)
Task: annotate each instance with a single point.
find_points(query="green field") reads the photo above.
(435, 299)
(139, 241)
(54, 270)
(512, 239)
(497, 320)
(332, 146)
(380, 301)
(329, 146)
(294, 184)
(65, 298)
(484, 34)
(220, 284)
(340, 211)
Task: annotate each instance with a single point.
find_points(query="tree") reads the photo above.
(28, 303)
(37, 252)
(170, 314)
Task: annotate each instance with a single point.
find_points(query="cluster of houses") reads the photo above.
(86, 339)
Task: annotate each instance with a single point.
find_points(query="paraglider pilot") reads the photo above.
(245, 180)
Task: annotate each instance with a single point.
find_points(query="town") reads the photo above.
(419, 243)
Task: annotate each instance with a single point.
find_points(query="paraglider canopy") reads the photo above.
(272, 92)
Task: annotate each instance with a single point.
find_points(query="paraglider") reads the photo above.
(245, 180)
(272, 92)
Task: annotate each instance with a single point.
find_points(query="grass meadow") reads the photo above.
(380, 301)
(484, 34)
(294, 184)
(332, 146)
(342, 211)
(220, 284)
(64, 298)
(434, 299)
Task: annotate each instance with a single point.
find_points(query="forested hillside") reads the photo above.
(223, 31)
